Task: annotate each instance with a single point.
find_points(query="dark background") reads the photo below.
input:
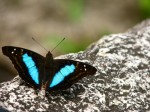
(81, 22)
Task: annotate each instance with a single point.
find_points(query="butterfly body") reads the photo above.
(46, 73)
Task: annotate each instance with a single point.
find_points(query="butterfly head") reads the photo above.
(48, 60)
(49, 56)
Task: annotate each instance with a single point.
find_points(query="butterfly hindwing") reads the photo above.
(68, 72)
(26, 62)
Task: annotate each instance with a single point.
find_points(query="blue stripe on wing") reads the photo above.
(32, 69)
(60, 76)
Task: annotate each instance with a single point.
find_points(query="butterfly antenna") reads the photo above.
(39, 43)
(58, 44)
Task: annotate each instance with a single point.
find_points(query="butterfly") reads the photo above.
(46, 73)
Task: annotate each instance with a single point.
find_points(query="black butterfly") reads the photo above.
(45, 72)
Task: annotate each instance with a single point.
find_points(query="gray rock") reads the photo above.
(122, 81)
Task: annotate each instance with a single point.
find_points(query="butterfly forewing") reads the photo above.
(26, 62)
(68, 72)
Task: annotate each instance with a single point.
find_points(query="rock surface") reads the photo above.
(122, 81)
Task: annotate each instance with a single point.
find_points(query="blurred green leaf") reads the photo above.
(144, 6)
(75, 9)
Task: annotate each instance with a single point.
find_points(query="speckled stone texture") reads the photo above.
(122, 82)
